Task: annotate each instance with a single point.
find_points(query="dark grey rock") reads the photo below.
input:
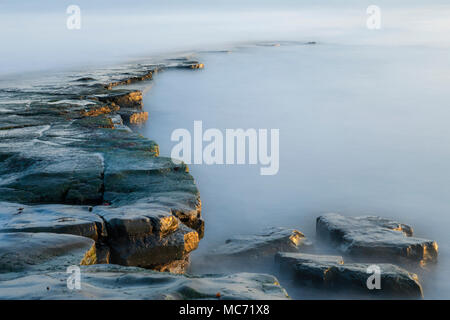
(288, 260)
(266, 243)
(185, 205)
(148, 236)
(153, 182)
(330, 273)
(53, 218)
(187, 65)
(375, 237)
(21, 252)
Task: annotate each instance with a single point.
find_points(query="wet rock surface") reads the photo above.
(70, 164)
(331, 273)
(264, 244)
(375, 237)
(118, 282)
(21, 252)
(52, 218)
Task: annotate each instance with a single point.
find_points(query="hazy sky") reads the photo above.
(34, 35)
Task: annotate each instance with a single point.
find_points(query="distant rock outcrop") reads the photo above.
(331, 273)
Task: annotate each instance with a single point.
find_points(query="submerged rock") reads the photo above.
(264, 244)
(21, 251)
(375, 237)
(330, 272)
(117, 282)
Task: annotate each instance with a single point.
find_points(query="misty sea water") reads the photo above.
(363, 130)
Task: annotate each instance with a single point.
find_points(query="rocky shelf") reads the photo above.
(70, 164)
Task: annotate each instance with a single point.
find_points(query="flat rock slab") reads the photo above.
(76, 220)
(22, 251)
(375, 238)
(38, 171)
(330, 272)
(118, 282)
(266, 243)
(133, 178)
